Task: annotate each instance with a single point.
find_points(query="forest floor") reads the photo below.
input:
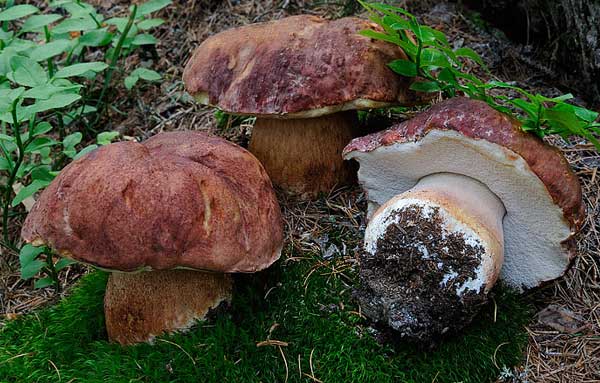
(563, 342)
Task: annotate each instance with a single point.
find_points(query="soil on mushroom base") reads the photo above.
(406, 283)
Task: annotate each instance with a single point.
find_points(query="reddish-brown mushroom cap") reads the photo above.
(299, 66)
(178, 200)
(298, 75)
(541, 193)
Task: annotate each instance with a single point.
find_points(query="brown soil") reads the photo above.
(403, 282)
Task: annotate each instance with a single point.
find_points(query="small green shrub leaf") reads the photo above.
(17, 12)
(469, 53)
(43, 173)
(130, 81)
(51, 49)
(36, 22)
(38, 143)
(70, 142)
(62, 263)
(150, 23)
(43, 282)
(41, 128)
(106, 138)
(56, 101)
(147, 74)
(29, 190)
(151, 6)
(75, 24)
(404, 67)
(85, 151)
(425, 86)
(144, 39)
(80, 69)
(27, 72)
(48, 90)
(96, 38)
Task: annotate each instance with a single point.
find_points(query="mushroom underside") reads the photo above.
(534, 227)
(303, 156)
(140, 306)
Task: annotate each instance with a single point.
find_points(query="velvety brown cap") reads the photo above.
(181, 199)
(476, 119)
(296, 64)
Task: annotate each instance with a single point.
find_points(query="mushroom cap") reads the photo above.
(540, 192)
(298, 67)
(178, 200)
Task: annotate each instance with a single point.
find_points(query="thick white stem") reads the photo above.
(467, 208)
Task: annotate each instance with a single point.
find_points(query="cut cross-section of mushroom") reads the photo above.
(461, 187)
(180, 200)
(303, 77)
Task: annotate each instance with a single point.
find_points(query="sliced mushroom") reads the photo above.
(460, 193)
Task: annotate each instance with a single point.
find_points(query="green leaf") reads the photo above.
(85, 151)
(130, 81)
(146, 74)
(27, 72)
(119, 22)
(379, 36)
(43, 282)
(29, 252)
(6, 137)
(70, 142)
(530, 108)
(56, 101)
(62, 263)
(80, 69)
(434, 58)
(404, 67)
(75, 24)
(51, 49)
(29, 190)
(17, 12)
(150, 23)
(39, 21)
(151, 6)
(96, 38)
(48, 90)
(106, 138)
(144, 39)
(41, 128)
(425, 86)
(43, 173)
(38, 143)
(469, 53)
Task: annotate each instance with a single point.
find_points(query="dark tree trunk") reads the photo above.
(567, 33)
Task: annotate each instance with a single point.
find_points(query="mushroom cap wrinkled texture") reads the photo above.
(299, 66)
(541, 193)
(177, 200)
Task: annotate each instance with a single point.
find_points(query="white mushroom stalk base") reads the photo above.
(303, 156)
(431, 256)
(140, 306)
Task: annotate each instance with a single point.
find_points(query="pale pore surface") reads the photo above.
(358, 104)
(534, 226)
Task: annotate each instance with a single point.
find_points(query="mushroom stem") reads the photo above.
(141, 306)
(431, 255)
(304, 156)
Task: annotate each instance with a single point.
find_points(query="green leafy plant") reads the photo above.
(52, 96)
(440, 68)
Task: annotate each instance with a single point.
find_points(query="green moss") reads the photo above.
(71, 337)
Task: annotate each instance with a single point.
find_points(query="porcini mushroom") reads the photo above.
(303, 77)
(181, 200)
(457, 196)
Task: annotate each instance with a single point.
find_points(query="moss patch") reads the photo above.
(314, 315)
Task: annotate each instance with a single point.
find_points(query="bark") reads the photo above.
(566, 33)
